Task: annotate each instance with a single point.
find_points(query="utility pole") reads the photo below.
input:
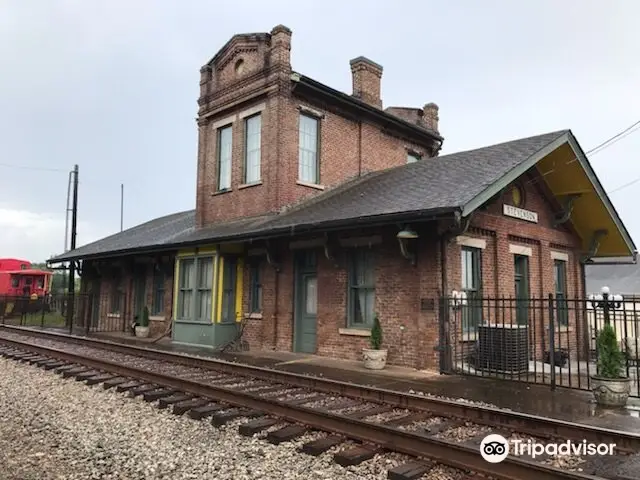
(121, 205)
(72, 265)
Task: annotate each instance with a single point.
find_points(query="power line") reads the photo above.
(594, 151)
(26, 167)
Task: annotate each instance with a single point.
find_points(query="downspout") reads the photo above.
(460, 227)
(275, 309)
(360, 148)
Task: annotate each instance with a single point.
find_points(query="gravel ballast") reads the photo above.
(52, 428)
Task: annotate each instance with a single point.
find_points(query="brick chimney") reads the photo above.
(280, 54)
(430, 116)
(366, 76)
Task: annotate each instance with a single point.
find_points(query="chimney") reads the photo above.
(430, 117)
(280, 54)
(366, 80)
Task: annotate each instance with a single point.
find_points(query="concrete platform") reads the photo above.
(563, 403)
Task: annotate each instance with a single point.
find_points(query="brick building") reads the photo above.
(316, 210)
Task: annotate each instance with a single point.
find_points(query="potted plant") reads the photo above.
(610, 386)
(142, 328)
(375, 358)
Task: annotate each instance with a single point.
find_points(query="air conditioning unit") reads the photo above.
(503, 348)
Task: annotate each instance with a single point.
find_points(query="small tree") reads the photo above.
(610, 358)
(376, 334)
(144, 322)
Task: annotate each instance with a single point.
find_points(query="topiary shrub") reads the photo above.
(144, 321)
(376, 334)
(610, 358)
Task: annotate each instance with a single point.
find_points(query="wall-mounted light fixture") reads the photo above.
(404, 236)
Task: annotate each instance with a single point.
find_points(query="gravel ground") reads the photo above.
(52, 428)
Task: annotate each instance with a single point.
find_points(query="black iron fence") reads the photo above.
(77, 313)
(538, 340)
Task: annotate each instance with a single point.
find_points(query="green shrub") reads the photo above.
(144, 321)
(610, 358)
(376, 334)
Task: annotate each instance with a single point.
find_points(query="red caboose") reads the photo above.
(18, 279)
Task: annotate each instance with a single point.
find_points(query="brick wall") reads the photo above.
(348, 146)
(408, 295)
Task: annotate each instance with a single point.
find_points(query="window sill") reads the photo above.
(255, 315)
(113, 315)
(355, 332)
(310, 185)
(249, 185)
(220, 192)
(469, 337)
(157, 318)
(191, 321)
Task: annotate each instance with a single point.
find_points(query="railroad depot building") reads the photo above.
(317, 210)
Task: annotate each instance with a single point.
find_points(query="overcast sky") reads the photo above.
(112, 86)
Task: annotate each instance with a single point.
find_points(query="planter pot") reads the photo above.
(142, 332)
(609, 392)
(374, 359)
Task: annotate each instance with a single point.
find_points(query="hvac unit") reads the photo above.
(503, 348)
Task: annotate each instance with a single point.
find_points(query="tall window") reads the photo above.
(252, 149)
(308, 168)
(115, 299)
(195, 285)
(185, 288)
(521, 270)
(362, 290)
(472, 285)
(157, 303)
(255, 288)
(224, 158)
(229, 275)
(560, 280)
(205, 285)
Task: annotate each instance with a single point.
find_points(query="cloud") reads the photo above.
(36, 236)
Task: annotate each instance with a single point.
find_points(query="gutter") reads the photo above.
(364, 108)
(288, 230)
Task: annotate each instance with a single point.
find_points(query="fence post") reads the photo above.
(552, 342)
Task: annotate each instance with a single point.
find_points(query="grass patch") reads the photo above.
(37, 319)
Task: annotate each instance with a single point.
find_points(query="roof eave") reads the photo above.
(582, 159)
(520, 169)
(380, 115)
(288, 230)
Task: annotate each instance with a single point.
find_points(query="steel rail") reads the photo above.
(492, 416)
(448, 453)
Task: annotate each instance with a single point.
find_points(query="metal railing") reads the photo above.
(548, 340)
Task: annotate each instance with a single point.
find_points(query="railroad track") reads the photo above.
(431, 430)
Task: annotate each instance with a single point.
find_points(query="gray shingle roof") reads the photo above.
(157, 232)
(434, 184)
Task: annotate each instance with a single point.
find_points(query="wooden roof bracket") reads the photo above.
(567, 209)
(269, 254)
(594, 245)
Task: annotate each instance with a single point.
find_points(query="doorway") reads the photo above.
(139, 293)
(306, 302)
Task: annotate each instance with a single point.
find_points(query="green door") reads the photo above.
(521, 264)
(139, 294)
(229, 274)
(306, 304)
(95, 304)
